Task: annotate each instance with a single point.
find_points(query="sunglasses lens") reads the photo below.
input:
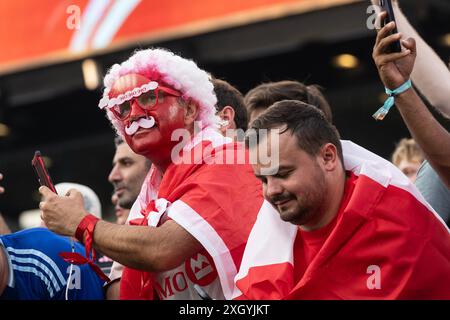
(122, 110)
(147, 100)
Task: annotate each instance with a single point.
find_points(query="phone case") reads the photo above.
(41, 172)
(386, 5)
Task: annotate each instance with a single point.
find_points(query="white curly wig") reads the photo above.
(181, 74)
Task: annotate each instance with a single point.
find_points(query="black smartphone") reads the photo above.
(386, 5)
(41, 171)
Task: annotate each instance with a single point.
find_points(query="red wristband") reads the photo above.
(87, 225)
(88, 221)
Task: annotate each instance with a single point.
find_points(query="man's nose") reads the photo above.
(114, 175)
(136, 111)
(272, 188)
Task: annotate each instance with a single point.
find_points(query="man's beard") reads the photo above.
(313, 207)
(302, 215)
(125, 202)
(310, 205)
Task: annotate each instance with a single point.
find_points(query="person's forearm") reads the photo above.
(128, 245)
(433, 139)
(430, 75)
(143, 247)
(4, 229)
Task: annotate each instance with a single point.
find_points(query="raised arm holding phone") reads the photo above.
(395, 70)
(430, 75)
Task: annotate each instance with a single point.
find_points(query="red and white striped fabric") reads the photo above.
(217, 204)
(386, 230)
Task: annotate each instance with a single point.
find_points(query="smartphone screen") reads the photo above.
(41, 171)
(386, 5)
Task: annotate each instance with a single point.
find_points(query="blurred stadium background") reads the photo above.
(52, 64)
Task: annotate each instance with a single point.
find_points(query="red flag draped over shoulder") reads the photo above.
(388, 243)
(214, 200)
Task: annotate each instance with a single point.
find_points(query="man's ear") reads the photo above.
(192, 111)
(227, 116)
(329, 157)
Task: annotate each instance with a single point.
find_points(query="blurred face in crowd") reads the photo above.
(298, 190)
(410, 168)
(164, 108)
(127, 175)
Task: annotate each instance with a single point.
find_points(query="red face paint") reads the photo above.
(154, 143)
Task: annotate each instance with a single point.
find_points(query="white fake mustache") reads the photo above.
(141, 123)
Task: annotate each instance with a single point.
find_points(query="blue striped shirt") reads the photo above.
(37, 272)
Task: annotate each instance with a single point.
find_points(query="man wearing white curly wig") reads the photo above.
(187, 230)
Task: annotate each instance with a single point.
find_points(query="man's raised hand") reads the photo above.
(62, 214)
(394, 68)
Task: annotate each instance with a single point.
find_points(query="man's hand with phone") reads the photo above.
(394, 68)
(62, 214)
(387, 6)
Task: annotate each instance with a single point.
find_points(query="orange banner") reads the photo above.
(48, 30)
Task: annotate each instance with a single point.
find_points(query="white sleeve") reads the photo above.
(116, 271)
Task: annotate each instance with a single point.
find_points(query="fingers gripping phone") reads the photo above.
(41, 171)
(386, 5)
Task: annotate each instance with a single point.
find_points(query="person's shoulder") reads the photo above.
(427, 179)
(425, 173)
(32, 233)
